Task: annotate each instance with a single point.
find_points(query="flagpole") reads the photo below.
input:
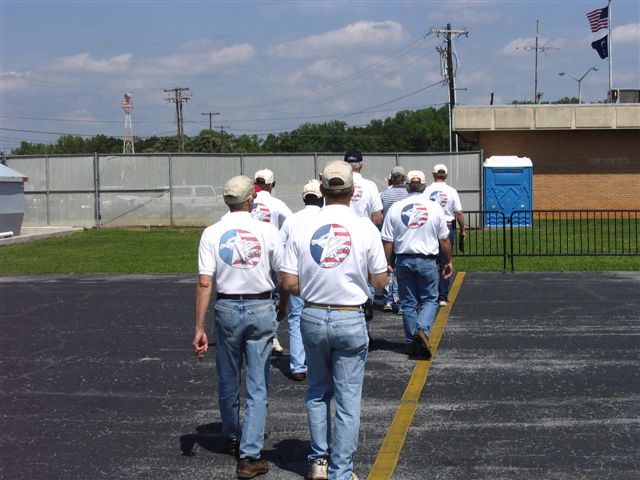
(609, 48)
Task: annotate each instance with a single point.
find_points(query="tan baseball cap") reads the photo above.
(237, 190)
(312, 187)
(337, 175)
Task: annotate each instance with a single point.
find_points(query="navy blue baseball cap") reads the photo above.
(353, 156)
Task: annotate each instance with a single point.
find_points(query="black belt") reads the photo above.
(417, 255)
(244, 296)
(349, 308)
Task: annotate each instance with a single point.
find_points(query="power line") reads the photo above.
(180, 95)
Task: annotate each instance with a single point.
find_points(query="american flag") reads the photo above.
(599, 19)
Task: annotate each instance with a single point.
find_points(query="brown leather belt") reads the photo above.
(244, 296)
(349, 308)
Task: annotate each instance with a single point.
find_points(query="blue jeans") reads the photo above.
(244, 330)
(390, 289)
(418, 288)
(296, 348)
(336, 345)
(445, 283)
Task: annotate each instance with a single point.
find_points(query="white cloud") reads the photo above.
(83, 62)
(363, 34)
(627, 34)
(12, 80)
(200, 56)
(328, 68)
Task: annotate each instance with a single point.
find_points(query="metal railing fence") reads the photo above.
(575, 233)
(550, 233)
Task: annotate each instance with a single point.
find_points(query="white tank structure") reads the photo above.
(127, 107)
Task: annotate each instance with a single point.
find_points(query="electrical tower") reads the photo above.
(127, 107)
(179, 95)
(448, 73)
(537, 48)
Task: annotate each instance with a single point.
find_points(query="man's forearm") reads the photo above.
(203, 296)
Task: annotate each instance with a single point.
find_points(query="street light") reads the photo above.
(579, 80)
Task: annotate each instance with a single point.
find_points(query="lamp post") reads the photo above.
(579, 80)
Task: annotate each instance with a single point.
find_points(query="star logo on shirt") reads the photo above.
(439, 196)
(240, 249)
(261, 212)
(357, 193)
(414, 215)
(330, 245)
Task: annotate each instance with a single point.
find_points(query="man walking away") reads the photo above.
(269, 209)
(447, 197)
(328, 261)
(415, 230)
(396, 191)
(313, 201)
(236, 259)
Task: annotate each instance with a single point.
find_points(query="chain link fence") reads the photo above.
(186, 189)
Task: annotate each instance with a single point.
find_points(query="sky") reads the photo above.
(269, 66)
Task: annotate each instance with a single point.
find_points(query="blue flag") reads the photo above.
(601, 46)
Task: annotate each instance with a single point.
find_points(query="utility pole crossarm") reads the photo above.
(179, 95)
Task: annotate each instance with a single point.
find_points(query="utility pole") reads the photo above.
(537, 48)
(222, 127)
(448, 73)
(211, 114)
(179, 95)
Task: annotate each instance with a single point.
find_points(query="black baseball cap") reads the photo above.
(353, 156)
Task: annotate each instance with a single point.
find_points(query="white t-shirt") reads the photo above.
(240, 253)
(366, 199)
(269, 209)
(415, 225)
(332, 254)
(292, 221)
(446, 196)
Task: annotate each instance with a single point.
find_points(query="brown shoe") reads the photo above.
(412, 348)
(298, 377)
(251, 467)
(423, 344)
(233, 447)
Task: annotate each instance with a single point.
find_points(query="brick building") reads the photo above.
(584, 156)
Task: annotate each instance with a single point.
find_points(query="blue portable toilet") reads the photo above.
(508, 187)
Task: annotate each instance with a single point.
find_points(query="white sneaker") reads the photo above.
(443, 303)
(277, 348)
(353, 476)
(318, 470)
(388, 307)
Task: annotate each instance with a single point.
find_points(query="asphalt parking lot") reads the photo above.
(536, 376)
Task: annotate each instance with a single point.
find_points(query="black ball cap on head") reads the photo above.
(353, 156)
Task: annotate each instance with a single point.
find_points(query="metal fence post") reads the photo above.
(46, 186)
(171, 221)
(315, 164)
(96, 188)
(242, 164)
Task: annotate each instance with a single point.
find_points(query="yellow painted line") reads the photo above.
(389, 452)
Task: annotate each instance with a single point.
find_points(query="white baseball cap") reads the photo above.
(416, 174)
(312, 187)
(237, 190)
(440, 167)
(266, 175)
(337, 175)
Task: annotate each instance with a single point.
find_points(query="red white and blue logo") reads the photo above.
(261, 212)
(240, 249)
(357, 193)
(414, 215)
(439, 196)
(330, 245)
